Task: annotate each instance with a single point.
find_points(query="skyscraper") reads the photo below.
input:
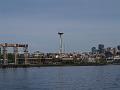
(101, 48)
(94, 50)
(118, 47)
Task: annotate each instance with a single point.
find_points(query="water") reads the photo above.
(61, 78)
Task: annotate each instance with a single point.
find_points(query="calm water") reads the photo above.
(61, 78)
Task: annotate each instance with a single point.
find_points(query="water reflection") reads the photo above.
(61, 78)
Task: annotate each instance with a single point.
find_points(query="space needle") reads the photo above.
(61, 42)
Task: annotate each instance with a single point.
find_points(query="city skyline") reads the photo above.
(86, 23)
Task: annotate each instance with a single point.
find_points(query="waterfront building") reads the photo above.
(116, 59)
(91, 60)
(108, 54)
(114, 50)
(38, 54)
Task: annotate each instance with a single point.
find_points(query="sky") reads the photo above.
(85, 23)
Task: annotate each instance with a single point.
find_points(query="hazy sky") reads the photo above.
(86, 23)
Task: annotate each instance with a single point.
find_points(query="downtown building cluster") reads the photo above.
(111, 54)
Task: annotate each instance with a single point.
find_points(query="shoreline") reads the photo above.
(49, 65)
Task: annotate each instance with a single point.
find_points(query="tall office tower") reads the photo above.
(101, 48)
(94, 50)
